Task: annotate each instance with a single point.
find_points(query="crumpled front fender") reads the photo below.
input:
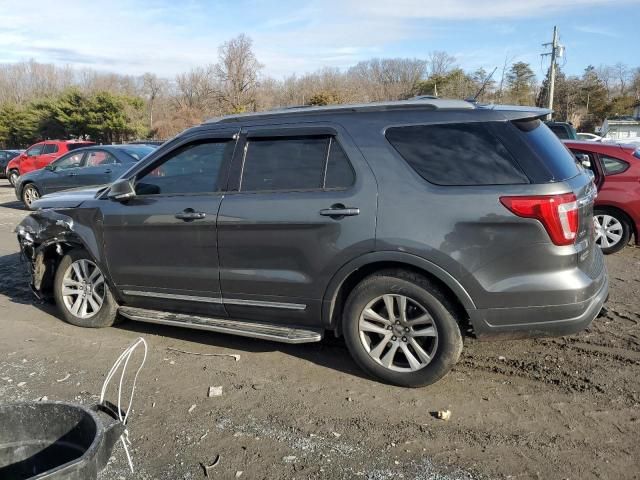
(45, 235)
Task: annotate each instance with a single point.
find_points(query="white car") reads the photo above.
(589, 137)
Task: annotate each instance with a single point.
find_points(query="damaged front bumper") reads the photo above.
(42, 236)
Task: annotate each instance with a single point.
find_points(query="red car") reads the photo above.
(40, 155)
(617, 175)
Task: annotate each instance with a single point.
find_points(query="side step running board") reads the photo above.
(276, 333)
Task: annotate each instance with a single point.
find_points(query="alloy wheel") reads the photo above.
(609, 231)
(31, 194)
(398, 333)
(83, 289)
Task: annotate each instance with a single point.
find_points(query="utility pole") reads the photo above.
(556, 51)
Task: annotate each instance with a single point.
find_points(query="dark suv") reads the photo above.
(401, 226)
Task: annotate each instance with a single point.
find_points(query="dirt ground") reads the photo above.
(561, 408)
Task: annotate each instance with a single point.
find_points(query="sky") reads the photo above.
(293, 36)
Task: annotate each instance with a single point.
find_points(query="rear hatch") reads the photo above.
(555, 164)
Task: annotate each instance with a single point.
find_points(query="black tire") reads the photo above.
(624, 225)
(105, 316)
(12, 177)
(415, 288)
(30, 193)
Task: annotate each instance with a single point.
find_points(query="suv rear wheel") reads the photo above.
(81, 293)
(401, 329)
(612, 230)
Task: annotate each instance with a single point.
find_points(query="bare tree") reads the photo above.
(440, 63)
(237, 74)
(622, 73)
(153, 87)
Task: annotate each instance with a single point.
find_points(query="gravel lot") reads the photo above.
(562, 408)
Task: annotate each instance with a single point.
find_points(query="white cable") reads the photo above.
(125, 357)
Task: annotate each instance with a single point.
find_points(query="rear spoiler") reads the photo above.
(517, 112)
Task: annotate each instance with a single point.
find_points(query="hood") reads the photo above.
(67, 198)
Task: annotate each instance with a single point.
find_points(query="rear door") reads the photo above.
(99, 167)
(161, 246)
(48, 155)
(301, 203)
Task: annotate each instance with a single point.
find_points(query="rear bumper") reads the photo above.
(542, 321)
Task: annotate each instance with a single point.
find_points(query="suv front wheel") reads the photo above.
(81, 292)
(400, 328)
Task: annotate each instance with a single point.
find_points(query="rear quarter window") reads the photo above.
(549, 150)
(461, 154)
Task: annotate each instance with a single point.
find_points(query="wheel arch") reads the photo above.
(624, 214)
(353, 272)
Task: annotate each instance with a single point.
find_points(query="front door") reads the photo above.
(161, 246)
(304, 205)
(63, 172)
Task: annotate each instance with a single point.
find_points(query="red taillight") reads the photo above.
(558, 214)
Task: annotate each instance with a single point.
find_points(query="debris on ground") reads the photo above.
(502, 358)
(64, 378)
(214, 392)
(208, 468)
(289, 459)
(239, 473)
(236, 357)
(336, 434)
(192, 408)
(444, 414)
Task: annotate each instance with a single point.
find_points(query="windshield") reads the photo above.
(139, 151)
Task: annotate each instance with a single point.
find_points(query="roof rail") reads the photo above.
(428, 103)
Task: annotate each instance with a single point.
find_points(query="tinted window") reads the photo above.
(637, 153)
(140, 152)
(456, 154)
(339, 171)
(100, 157)
(549, 149)
(611, 166)
(560, 131)
(49, 148)
(193, 168)
(73, 146)
(284, 164)
(35, 150)
(69, 161)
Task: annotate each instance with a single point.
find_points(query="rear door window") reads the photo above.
(100, 157)
(49, 148)
(295, 163)
(456, 154)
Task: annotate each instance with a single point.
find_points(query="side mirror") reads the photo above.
(121, 190)
(50, 167)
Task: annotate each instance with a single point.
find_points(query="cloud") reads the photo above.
(168, 37)
(605, 32)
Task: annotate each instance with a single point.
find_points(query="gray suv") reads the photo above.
(400, 226)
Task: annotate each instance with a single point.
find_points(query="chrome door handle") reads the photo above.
(189, 214)
(339, 211)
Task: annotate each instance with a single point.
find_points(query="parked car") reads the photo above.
(399, 225)
(80, 167)
(563, 130)
(5, 157)
(589, 137)
(40, 155)
(617, 175)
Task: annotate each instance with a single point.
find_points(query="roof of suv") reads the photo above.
(515, 111)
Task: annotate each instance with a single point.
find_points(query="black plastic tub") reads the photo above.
(56, 440)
